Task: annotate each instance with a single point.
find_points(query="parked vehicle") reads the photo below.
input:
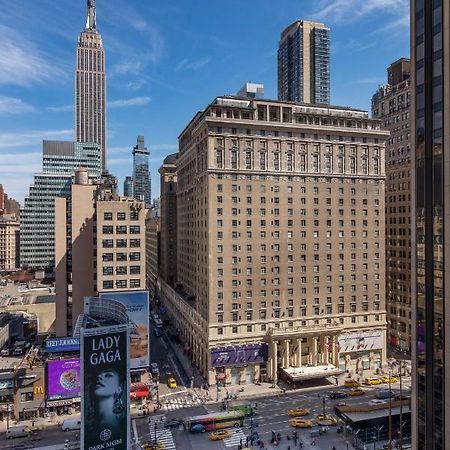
(384, 393)
(351, 383)
(372, 381)
(154, 369)
(337, 394)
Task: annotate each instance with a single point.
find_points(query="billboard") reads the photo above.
(137, 308)
(63, 378)
(238, 355)
(105, 388)
(61, 345)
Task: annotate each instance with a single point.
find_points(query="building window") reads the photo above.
(135, 256)
(108, 229)
(234, 159)
(121, 284)
(107, 216)
(108, 256)
(107, 270)
(121, 256)
(135, 242)
(108, 284)
(135, 283)
(134, 215)
(219, 158)
(135, 229)
(135, 270)
(107, 243)
(121, 216)
(120, 243)
(121, 270)
(121, 229)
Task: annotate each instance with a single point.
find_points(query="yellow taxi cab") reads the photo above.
(298, 412)
(350, 383)
(301, 423)
(372, 381)
(171, 383)
(219, 435)
(388, 379)
(148, 446)
(326, 419)
(355, 392)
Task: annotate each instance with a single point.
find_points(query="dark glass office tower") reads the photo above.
(430, 59)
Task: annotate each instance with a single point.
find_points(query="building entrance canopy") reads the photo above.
(311, 372)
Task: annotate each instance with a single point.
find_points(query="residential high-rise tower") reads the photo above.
(304, 63)
(90, 85)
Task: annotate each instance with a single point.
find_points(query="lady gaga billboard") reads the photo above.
(105, 388)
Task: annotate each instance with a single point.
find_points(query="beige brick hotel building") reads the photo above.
(280, 241)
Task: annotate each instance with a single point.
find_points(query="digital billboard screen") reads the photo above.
(105, 388)
(137, 308)
(63, 378)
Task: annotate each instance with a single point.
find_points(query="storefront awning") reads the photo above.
(311, 372)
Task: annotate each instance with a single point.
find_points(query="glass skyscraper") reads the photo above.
(304, 63)
(60, 160)
(431, 127)
(141, 173)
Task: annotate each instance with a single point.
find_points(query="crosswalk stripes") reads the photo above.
(165, 437)
(172, 404)
(236, 438)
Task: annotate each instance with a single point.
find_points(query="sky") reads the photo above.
(166, 60)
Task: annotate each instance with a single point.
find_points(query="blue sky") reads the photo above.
(165, 61)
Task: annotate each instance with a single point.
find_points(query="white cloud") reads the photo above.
(21, 63)
(137, 84)
(127, 67)
(185, 64)
(348, 10)
(125, 103)
(31, 137)
(64, 108)
(369, 80)
(11, 105)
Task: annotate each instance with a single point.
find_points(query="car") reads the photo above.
(158, 323)
(355, 392)
(154, 369)
(157, 332)
(371, 381)
(350, 383)
(377, 401)
(301, 423)
(171, 383)
(326, 419)
(172, 423)
(219, 435)
(401, 397)
(384, 393)
(388, 379)
(298, 412)
(337, 394)
(198, 428)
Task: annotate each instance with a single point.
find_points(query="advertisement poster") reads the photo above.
(105, 388)
(136, 304)
(63, 378)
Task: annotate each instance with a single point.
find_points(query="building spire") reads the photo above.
(91, 22)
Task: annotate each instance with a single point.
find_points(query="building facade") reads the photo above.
(99, 247)
(430, 58)
(304, 63)
(152, 250)
(391, 105)
(141, 173)
(280, 249)
(90, 85)
(37, 227)
(9, 242)
(128, 187)
(8, 205)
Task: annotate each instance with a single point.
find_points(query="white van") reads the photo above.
(17, 432)
(71, 424)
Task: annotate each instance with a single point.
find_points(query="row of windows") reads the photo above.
(134, 215)
(121, 284)
(133, 256)
(121, 243)
(263, 327)
(122, 270)
(121, 229)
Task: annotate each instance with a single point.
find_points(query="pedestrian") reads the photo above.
(301, 444)
(334, 448)
(337, 382)
(313, 442)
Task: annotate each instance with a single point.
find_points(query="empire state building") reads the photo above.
(90, 85)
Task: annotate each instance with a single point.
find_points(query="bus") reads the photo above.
(214, 421)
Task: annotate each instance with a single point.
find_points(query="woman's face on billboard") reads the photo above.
(107, 384)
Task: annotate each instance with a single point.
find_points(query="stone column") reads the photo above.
(314, 351)
(273, 360)
(326, 341)
(335, 351)
(287, 357)
(299, 352)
